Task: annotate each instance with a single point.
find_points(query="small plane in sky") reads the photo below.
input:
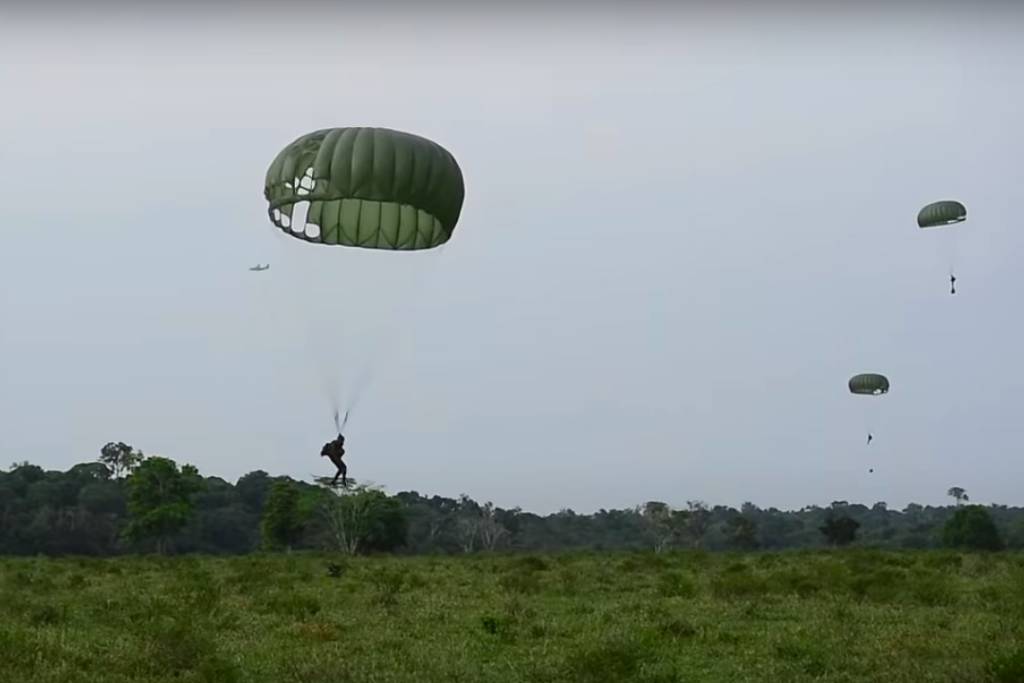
(258, 267)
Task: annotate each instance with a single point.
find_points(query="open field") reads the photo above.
(855, 615)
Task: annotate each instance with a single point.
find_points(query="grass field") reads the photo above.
(690, 616)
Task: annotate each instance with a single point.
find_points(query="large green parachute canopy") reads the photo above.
(869, 384)
(941, 213)
(366, 187)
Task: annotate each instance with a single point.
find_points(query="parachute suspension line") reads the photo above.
(953, 253)
(322, 367)
(388, 337)
(340, 425)
(870, 421)
(291, 252)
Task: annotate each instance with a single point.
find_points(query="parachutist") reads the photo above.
(335, 450)
(869, 439)
(939, 215)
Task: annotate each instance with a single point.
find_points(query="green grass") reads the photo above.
(803, 616)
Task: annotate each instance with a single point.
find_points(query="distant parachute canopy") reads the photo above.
(941, 213)
(869, 384)
(374, 188)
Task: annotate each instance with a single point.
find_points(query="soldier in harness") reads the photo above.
(335, 450)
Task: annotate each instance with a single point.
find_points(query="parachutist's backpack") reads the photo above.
(335, 449)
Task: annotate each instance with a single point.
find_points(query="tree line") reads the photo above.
(127, 502)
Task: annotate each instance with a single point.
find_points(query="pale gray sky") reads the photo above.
(682, 234)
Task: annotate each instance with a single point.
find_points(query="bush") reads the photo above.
(738, 584)
(531, 563)
(610, 662)
(389, 583)
(677, 585)
(1008, 668)
(519, 582)
(932, 591)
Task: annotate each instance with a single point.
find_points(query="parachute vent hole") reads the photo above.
(312, 231)
(285, 221)
(277, 215)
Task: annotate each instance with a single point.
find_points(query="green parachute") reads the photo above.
(944, 213)
(937, 214)
(869, 384)
(373, 188)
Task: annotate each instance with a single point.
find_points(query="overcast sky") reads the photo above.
(683, 232)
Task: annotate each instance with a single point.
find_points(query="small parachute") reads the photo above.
(937, 214)
(869, 384)
(373, 188)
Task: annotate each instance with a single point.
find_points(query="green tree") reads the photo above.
(698, 518)
(958, 493)
(486, 527)
(971, 527)
(363, 519)
(389, 526)
(741, 532)
(667, 525)
(121, 458)
(841, 530)
(253, 488)
(159, 500)
(1015, 536)
(281, 524)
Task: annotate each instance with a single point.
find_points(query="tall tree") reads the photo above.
(281, 524)
(159, 503)
(742, 532)
(467, 522)
(668, 525)
(840, 530)
(958, 493)
(121, 458)
(490, 529)
(971, 527)
(698, 519)
(362, 519)
(253, 489)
